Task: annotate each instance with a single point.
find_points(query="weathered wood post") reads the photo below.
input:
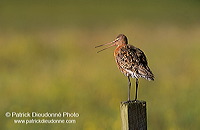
(133, 115)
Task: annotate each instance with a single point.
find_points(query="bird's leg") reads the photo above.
(129, 87)
(136, 89)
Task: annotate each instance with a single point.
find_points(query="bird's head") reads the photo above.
(119, 41)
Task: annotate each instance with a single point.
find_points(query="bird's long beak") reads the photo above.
(108, 44)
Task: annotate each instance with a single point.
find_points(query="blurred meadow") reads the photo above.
(48, 62)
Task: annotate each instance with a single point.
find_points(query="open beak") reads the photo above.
(113, 44)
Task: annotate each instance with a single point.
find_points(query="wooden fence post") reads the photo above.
(133, 115)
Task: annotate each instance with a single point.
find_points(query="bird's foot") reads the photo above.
(135, 100)
(124, 102)
(130, 101)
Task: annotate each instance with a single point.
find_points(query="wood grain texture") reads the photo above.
(133, 115)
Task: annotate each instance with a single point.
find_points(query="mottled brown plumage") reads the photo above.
(131, 61)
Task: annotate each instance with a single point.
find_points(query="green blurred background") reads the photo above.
(48, 62)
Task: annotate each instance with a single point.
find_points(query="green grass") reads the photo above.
(36, 15)
(48, 62)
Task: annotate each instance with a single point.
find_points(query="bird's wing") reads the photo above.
(133, 60)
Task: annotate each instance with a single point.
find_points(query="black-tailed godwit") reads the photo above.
(130, 60)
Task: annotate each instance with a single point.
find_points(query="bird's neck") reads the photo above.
(118, 49)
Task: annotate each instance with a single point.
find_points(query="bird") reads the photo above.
(131, 61)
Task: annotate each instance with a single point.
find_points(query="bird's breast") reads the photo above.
(122, 60)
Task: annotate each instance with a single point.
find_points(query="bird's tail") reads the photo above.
(146, 73)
